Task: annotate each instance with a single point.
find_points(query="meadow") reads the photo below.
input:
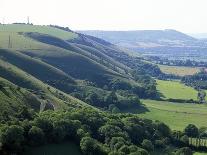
(175, 90)
(176, 115)
(178, 70)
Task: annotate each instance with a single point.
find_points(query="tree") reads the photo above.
(184, 151)
(124, 149)
(93, 99)
(91, 146)
(45, 125)
(12, 137)
(201, 96)
(147, 144)
(159, 144)
(111, 98)
(185, 139)
(191, 130)
(36, 136)
(113, 108)
(163, 129)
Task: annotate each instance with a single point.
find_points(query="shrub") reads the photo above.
(147, 144)
(36, 136)
(184, 151)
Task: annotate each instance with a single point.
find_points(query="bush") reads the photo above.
(12, 137)
(159, 144)
(147, 144)
(185, 139)
(36, 136)
(184, 151)
(191, 130)
(90, 146)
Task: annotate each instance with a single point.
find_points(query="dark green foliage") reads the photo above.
(44, 124)
(111, 98)
(36, 136)
(191, 130)
(201, 96)
(159, 144)
(198, 81)
(185, 139)
(97, 132)
(11, 138)
(147, 144)
(163, 129)
(118, 84)
(184, 151)
(91, 146)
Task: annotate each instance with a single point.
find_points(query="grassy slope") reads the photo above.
(176, 115)
(25, 80)
(18, 41)
(15, 28)
(35, 67)
(181, 71)
(73, 60)
(32, 59)
(13, 99)
(176, 90)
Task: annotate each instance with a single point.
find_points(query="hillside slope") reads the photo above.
(161, 43)
(50, 59)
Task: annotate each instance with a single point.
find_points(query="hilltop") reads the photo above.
(156, 43)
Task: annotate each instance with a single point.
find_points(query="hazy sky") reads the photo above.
(185, 15)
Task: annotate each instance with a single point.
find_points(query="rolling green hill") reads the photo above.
(58, 66)
(57, 85)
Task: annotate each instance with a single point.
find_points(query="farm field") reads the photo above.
(176, 115)
(54, 149)
(200, 153)
(175, 90)
(181, 71)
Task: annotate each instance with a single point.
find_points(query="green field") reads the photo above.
(19, 41)
(177, 70)
(200, 153)
(15, 28)
(54, 149)
(176, 115)
(175, 90)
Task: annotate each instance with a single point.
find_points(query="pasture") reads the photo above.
(176, 115)
(14, 33)
(180, 71)
(175, 90)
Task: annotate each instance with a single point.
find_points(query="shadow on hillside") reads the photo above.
(159, 95)
(138, 109)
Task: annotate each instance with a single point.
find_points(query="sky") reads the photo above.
(189, 16)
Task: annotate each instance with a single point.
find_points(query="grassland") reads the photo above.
(176, 115)
(25, 80)
(15, 28)
(200, 153)
(175, 90)
(14, 32)
(180, 71)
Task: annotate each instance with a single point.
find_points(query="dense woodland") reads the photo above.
(96, 132)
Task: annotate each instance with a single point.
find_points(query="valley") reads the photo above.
(59, 86)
